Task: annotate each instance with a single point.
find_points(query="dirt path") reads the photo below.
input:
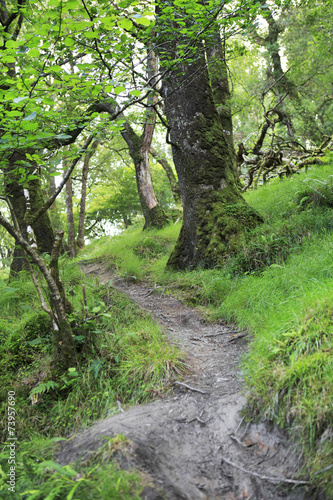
(184, 440)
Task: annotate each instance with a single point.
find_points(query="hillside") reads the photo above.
(278, 287)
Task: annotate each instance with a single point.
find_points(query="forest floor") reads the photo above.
(192, 442)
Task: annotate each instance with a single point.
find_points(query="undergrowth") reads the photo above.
(39, 477)
(279, 286)
(122, 357)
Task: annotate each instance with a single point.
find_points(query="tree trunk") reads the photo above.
(218, 75)
(42, 227)
(215, 215)
(54, 213)
(152, 211)
(139, 147)
(283, 86)
(82, 215)
(70, 219)
(169, 172)
(65, 354)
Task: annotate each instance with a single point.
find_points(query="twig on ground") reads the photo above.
(119, 406)
(265, 459)
(238, 426)
(189, 387)
(323, 470)
(266, 478)
(151, 291)
(221, 333)
(161, 286)
(233, 339)
(198, 419)
(235, 438)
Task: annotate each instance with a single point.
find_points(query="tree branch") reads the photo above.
(33, 218)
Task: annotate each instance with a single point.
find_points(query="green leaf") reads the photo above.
(34, 52)
(29, 126)
(118, 90)
(63, 136)
(8, 59)
(35, 341)
(31, 116)
(14, 113)
(19, 99)
(136, 93)
(56, 68)
(126, 24)
(143, 20)
(69, 42)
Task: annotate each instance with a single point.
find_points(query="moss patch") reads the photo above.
(155, 218)
(223, 221)
(222, 228)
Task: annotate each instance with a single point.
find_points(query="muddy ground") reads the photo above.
(192, 443)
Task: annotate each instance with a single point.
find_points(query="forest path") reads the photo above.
(182, 440)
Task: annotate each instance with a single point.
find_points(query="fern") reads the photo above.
(41, 388)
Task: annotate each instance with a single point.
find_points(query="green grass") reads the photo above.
(135, 254)
(122, 356)
(280, 287)
(38, 477)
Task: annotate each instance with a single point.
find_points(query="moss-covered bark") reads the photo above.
(215, 215)
(219, 82)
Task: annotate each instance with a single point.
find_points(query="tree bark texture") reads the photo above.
(215, 215)
(218, 74)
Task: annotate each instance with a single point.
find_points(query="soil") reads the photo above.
(189, 443)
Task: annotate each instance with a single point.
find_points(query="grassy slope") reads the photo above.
(280, 287)
(123, 356)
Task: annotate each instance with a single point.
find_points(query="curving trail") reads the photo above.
(193, 444)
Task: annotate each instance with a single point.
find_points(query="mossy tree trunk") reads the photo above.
(219, 82)
(215, 216)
